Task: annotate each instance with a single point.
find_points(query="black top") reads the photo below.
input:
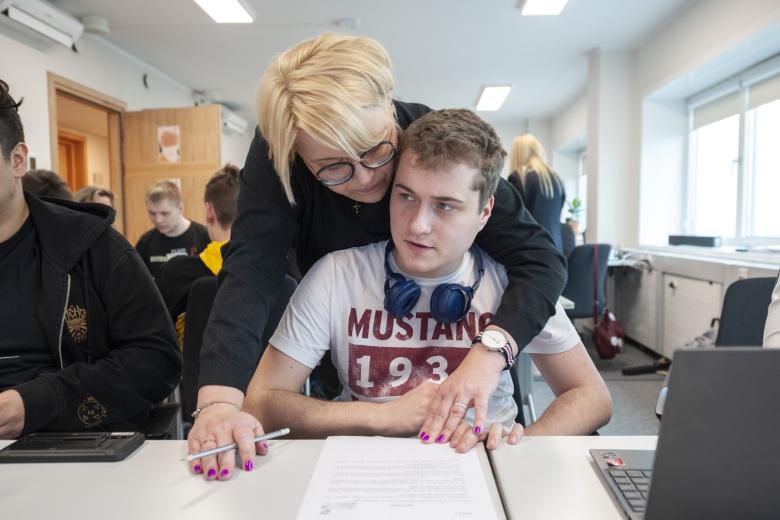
(103, 321)
(23, 350)
(322, 221)
(546, 210)
(175, 280)
(156, 249)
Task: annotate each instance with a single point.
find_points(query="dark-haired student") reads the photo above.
(86, 343)
(177, 275)
(46, 184)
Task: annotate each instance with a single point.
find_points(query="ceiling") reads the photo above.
(443, 51)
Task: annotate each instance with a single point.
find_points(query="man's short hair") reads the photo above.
(162, 190)
(88, 194)
(11, 130)
(222, 194)
(444, 138)
(46, 183)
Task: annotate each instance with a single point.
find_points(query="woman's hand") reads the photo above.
(220, 424)
(471, 384)
(464, 437)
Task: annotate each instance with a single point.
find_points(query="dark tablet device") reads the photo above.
(72, 447)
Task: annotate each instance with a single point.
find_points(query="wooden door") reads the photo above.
(150, 154)
(73, 160)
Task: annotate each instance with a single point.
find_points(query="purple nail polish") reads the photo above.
(440, 438)
(212, 472)
(477, 429)
(196, 468)
(426, 437)
(223, 473)
(422, 434)
(248, 466)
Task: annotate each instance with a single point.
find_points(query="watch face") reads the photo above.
(493, 340)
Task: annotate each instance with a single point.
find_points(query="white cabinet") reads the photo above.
(637, 302)
(689, 305)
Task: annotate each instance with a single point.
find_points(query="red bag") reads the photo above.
(607, 335)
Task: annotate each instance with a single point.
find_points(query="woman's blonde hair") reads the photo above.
(527, 155)
(323, 86)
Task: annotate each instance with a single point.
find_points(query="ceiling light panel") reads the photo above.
(225, 11)
(492, 98)
(541, 7)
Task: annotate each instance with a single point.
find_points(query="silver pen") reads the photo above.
(228, 447)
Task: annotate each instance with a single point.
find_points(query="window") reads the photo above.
(734, 159)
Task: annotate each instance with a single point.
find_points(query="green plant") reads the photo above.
(574, 209)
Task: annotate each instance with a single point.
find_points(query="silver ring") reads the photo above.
(460, 405)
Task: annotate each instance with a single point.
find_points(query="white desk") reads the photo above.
(565, 302)
(554, 477)
(153, 484)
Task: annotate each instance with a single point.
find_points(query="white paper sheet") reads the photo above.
(399, 479)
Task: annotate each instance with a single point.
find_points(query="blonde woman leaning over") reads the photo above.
(541, 188)
(317, 178)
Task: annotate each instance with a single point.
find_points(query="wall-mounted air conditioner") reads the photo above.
(42, 18)
(232, 122)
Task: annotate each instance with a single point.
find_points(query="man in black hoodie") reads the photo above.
(85, 340)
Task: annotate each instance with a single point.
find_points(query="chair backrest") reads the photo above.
(744, 312)
(579, 286)
(199, 303)
(567, 239)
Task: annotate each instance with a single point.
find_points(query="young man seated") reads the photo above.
(85, 342)
(177, 275)
(398, 317)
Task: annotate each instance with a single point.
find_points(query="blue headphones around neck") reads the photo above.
(449, 302)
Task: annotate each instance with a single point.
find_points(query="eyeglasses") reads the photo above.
(340, 172)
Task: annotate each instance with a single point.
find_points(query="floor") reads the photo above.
(633, 397)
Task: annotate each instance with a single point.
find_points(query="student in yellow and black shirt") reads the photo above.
(177, 275)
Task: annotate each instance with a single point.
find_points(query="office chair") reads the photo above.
(199, 303)
(744, 312)
(742, 319)
(568, 240)
(579, 287)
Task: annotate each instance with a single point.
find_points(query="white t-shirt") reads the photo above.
(339, 307)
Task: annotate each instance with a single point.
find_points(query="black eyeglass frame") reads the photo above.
(351, 165)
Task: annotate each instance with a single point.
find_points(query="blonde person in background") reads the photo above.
(541, 188)
(317, 177)
(95, 194)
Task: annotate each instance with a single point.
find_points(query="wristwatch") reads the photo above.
(495, 341)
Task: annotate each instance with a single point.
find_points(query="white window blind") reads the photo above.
(713, 111)
(764, 92)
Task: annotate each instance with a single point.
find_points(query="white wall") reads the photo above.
(98, 65)
(569, 127)
(698, 35)
(235, 146)
(613, 182)
(663, 167)
(507, 132)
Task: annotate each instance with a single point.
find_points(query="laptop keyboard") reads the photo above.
(633, 485)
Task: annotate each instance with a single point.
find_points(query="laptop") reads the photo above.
(718, 452)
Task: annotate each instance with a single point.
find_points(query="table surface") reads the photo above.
(555, 478)
(153, 483)
(543, 477)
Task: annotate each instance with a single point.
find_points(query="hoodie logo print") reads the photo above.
(91, 412)
(76, 320)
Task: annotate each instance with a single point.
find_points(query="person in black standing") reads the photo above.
(317, 177)
(173, 235)
(541, 188)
